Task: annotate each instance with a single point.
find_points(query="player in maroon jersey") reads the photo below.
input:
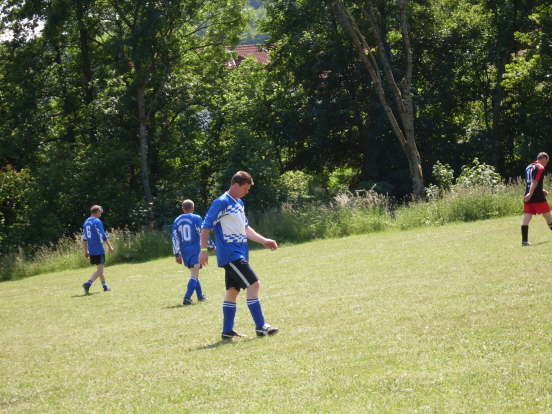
(535, 196)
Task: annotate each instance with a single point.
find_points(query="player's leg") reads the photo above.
(229, 312)
(253, 286)
(191, 287)
(526, 218)
(548, 218)
(101, 275)
(86, 285)
(199, 291)
(191, 261)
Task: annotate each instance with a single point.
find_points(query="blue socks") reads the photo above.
(229, 313)
(191, 287)
(88, 283)
(199, 291)
(254, 306)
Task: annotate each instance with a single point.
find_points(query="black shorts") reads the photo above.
(239, 275)
(97, 259)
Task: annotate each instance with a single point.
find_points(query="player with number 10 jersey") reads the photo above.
(185, 238)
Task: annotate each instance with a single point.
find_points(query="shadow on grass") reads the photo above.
(223, 342)
(85, 295)
(177, 306)
(183, 306)
(540, 243)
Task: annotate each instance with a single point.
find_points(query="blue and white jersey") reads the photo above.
(185, 235)
(226, 217)
(93, 232)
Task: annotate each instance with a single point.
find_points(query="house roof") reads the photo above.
(258, 52)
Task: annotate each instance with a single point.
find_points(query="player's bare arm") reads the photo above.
(109, 245)
(204, 241)
(256, 237)
(85, 244)
(531, 191)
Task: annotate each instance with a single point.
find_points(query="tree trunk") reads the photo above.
(402, 123)
(143, 139)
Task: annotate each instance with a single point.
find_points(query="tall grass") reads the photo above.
(68, 253)
(461, 205)
(346, 214)
(368, 212)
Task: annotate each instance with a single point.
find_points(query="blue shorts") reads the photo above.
(97, 259)
(190, 259)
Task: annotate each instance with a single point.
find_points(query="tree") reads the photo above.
(401, 115)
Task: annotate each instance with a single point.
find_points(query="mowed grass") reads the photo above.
(447, 319)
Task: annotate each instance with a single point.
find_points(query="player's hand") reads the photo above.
(270, 244)
(203, 258)
(178, 259)
(110, 249)
(545, 192)
(527, 197)
(86, 254)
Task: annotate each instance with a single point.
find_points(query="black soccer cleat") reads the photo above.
(187, 302)
(226, 336)
(526, 243)
(203, 299)
(86, 288)
(266, 330)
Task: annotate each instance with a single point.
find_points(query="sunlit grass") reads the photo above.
(444, 319)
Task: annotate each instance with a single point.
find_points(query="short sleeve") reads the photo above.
(212, 215)
(102, 231)
(539, 173)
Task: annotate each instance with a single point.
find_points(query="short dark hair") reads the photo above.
(95, 208)
(542, 155)
(241, 178)
(188, 205)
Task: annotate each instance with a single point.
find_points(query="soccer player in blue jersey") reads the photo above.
(93, 237)
(226, 217)
(185, 238)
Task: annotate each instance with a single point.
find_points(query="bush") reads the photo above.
(478, 174)
(294, 187)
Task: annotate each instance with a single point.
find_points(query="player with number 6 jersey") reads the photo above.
(93, 237)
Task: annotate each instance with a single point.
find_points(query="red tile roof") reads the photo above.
(258, 52)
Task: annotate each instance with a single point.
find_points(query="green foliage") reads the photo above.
(340, 179)
(478, 174)
(295, 187)
(16, 202)
(443, 175)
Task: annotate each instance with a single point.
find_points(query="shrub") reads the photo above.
(478, 174)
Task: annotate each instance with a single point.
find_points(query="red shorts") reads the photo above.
(536, 208)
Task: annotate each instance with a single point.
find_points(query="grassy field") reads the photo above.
(436, 320)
